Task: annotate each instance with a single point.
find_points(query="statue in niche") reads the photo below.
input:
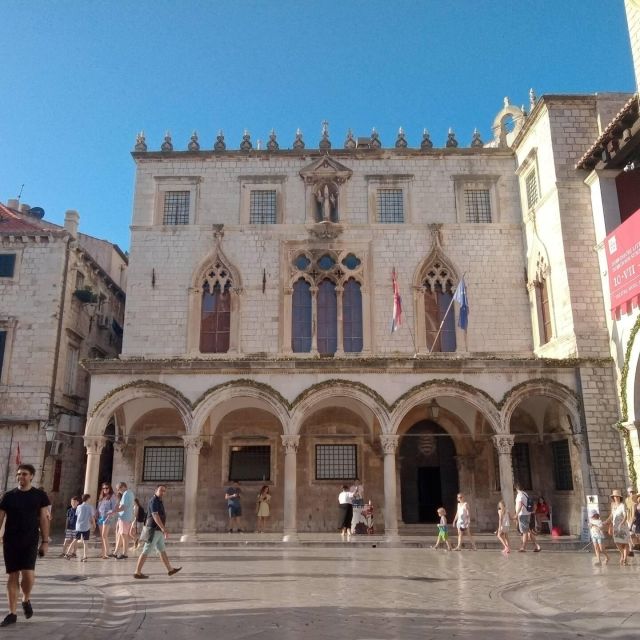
(327, 199)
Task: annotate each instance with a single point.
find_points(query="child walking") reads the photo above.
(504, 523)
(85, 521)
(70, 529)
(443, 529)
(597, 537)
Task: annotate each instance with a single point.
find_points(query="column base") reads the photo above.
(290, 537)
(189, 536)
(392, 538)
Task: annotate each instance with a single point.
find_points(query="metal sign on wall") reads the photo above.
(622, 248)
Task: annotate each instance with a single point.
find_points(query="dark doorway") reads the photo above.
(106, 457)
(428, 473)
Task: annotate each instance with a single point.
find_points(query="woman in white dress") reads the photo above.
(619, 526)
(263, 509)
(462, 522)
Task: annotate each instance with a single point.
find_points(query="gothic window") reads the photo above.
(215, 315)
(301, 321)
(352, 316)
(326, 303)
(543, 309)
(439, 313)
(176, 207)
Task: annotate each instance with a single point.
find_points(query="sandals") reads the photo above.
(83, 559)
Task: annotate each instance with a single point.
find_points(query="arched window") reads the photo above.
(301, 320)
(327, 318)
(352, 316)
(215, 324)
(439, 313)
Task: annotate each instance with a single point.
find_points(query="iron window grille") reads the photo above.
(477, 205)
(7, 265)
(176, 207)
(521, 465)
(163, 464)
(250, 463)
(562, 473)
(336, 462)
(262, 207)
(390, 206)
(531, 187)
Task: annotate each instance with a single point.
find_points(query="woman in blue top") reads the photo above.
(106, 504)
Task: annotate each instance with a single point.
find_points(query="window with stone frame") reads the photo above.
(336, 462)
(163, 464)
(543, 309)
(439, 313)
(7, 265)
(176, 207)
(390, 206)
(263, 206)
(71, 370)
(521, 464)
(531, 188)
(250, 463)
(477, 205)
(215, 313)
(333, 278)
(562, 473)
(3, 346)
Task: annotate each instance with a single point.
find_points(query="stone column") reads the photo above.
(389, 446)
(94, 446)
(504, 444)
(192, 446)
(290, 444)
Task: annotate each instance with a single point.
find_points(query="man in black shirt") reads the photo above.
(156, 518)
(25, 509)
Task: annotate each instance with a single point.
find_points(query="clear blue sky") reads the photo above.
(79, 79)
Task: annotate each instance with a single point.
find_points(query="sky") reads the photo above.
(80, 78)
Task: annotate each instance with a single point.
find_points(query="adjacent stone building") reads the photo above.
(258, 343)
(61, 300)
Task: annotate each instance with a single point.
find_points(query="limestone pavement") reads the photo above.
(344, 591)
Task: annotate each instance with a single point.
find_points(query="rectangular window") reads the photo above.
(71, 371)
(163, 464)
(250, 463)
(477, 205)
(562, 465)
(7, 265)
(521, 465)
(3, 344)
(336, 462)
(544, 313)
(531, 186)
(176, 207)
(262, 207)
(79, 280)
(390, 206)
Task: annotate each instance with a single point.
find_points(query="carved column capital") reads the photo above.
(192, 444)
(290, 444)
(94, 445)
(579, 441)
(121, 447)
(389, 444)
(503, 443)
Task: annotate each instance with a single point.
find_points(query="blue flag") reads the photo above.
(460, 296)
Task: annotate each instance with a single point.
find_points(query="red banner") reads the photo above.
(622, 248)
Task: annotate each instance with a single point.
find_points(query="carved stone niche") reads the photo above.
(324, 179)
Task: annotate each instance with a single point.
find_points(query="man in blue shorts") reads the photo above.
(232, 496)
(124, 510)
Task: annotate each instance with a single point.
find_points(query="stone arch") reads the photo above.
(215, 268)
(361, 400)
(109, 405)
(501, 135)
(426, 393)
(222, 399)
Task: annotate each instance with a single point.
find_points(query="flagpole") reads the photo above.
(445, 316)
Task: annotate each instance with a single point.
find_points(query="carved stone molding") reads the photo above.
(94, 445)
(290, 444)
(192, 444)
(503, 444)
(579, 441)
(389, 444)
(325, 230)
(121, 447)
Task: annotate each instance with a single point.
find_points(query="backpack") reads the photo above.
(142, 516)
(530, 503)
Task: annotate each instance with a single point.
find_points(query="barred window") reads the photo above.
(262, 207)
(543, 310)
(3, 343)
(521, 465)
(7, 265)
(390, 206)
(477, 205)
(250, 463)
(176, 207)
(163, 464)
(562, 465)
(531, 186)
(336, 462)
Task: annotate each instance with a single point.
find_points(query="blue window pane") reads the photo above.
(326, 262)
(327, 318)
(352, 317)
(351, 261)
(302, 262)
(301, 317)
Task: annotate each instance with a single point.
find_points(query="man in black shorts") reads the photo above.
(25, 509)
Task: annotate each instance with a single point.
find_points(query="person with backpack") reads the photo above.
(139, 517)
(525, 506)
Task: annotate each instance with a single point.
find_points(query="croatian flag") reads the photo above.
(460, 296)
(397, 304)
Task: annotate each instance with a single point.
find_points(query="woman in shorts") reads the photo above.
(106, 504)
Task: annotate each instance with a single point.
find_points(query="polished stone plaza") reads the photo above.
(344, 591)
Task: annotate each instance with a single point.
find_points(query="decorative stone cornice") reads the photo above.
(290, 444)
(389, 444)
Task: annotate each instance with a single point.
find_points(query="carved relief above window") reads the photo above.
(540, 292)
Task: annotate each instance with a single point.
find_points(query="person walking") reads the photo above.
(619, 527)
(462, 522)
(139, 518)
(70, 528)
(443, 529)
(263, 508)
(596, 528)
(124, 511)
(234, 507)
(85, 522)
(25, 511)
(156, 521)
(345, 498)
(107, 504)
(504, 524)
(524, 506)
